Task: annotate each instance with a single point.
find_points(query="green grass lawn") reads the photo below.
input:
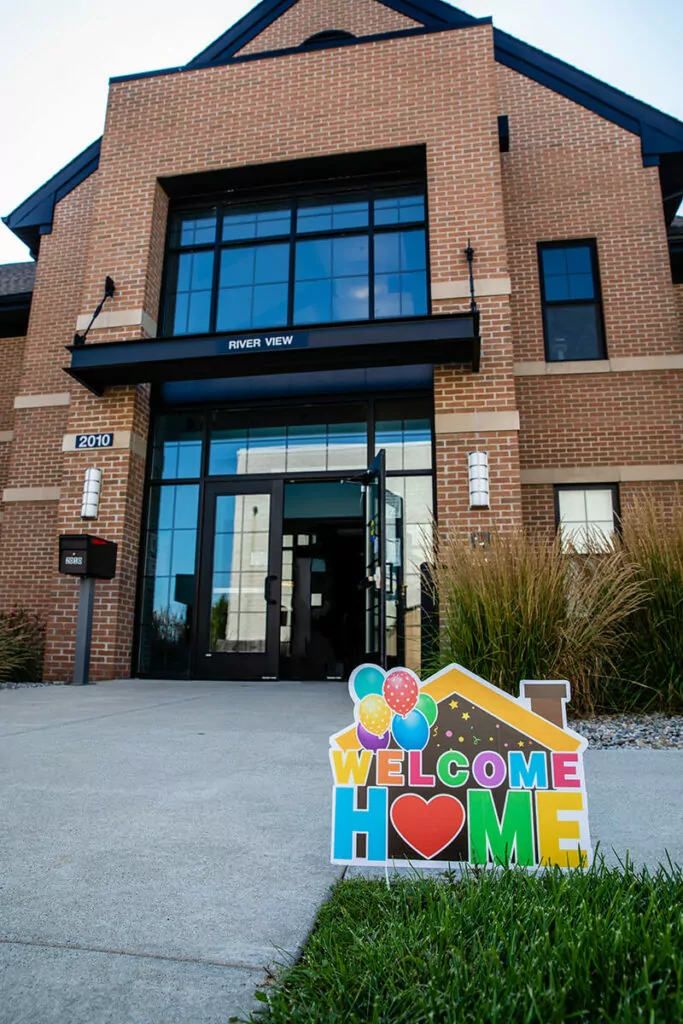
(494, 947)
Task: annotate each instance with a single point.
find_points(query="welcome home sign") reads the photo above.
(454, 769)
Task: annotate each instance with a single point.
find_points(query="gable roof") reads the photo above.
(661, 135)
(457, 681)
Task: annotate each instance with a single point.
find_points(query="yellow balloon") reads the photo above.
(374, 714)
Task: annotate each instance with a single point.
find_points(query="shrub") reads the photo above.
(22, 641)
(522, 608)
(654, 654)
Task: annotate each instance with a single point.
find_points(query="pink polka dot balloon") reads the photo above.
(401, 690)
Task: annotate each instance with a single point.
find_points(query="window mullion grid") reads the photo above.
(215, 280)
(291, 284)
(371, 255)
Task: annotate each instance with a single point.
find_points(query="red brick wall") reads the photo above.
(11, 356)
(307, 17)
(678, 298)
(607, 419)
(28, 565)
(571, 174)
(123, 472)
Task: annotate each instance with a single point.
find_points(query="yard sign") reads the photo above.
(454, 769)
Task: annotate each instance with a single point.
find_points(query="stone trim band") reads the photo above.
(626, 364)
(603, 474)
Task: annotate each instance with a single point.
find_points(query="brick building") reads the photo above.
(346, 227)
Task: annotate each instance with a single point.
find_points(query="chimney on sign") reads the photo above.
(548, 699)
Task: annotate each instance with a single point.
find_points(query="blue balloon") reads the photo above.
(411, 732)
(367, 679)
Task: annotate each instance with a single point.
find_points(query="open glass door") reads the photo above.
(383, 567)
(239, 607)
(393, 579)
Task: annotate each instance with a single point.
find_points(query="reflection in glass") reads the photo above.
(256, 222)
(408, 443)
(194, 228)
(169, 582)
(400, 274)
(253, 286)
(191, 293)
(325, 216)
(240, 567)
(177, 447)
(331, 280)
(416, 492)
(236, 450)
(399, 209)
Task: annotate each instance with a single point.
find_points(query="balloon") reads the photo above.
(374, 714)
(427, 705)
(401, 689)
(369, 741)
(366, 679)
(412, 731)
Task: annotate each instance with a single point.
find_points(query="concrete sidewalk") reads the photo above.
(163, 841)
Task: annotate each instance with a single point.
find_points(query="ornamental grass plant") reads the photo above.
(491, 947)
(524, 608)
(22, 641)
(653, 657)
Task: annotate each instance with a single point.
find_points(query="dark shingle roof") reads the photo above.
(17, 278)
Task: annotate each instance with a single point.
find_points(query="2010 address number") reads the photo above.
(94, 441)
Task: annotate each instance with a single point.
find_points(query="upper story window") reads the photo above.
(305, 261)
(570, 295)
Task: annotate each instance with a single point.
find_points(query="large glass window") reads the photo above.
(302, 261)
(168, 594)
(177, 446)
(570, 293)
(407, 442)
(328, 438)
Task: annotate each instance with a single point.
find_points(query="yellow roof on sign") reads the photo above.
(457, 681)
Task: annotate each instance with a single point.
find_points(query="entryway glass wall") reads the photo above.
(208, 589)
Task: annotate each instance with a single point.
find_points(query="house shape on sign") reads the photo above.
(498, 779)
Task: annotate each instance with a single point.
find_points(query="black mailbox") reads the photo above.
(80, 554)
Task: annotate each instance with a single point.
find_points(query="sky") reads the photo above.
(56, 60)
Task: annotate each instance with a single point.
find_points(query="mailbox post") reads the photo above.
(90, 558)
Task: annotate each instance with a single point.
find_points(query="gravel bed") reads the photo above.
(20, 686)
(656, 731)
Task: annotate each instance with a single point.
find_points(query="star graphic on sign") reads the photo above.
(453, 704)
(521, 743)
(465, 715)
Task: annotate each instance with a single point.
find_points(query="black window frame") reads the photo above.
(332, 192)
(607, 486)
(573, 243)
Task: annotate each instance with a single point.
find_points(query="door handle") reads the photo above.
(267, 583)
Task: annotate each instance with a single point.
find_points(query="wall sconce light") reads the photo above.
(478, 467)
(90, 502)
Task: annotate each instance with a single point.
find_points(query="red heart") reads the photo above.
(428, 825)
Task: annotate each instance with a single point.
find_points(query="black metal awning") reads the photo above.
(434, 339)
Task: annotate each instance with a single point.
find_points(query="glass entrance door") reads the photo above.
(383, 566)
(239, 607)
